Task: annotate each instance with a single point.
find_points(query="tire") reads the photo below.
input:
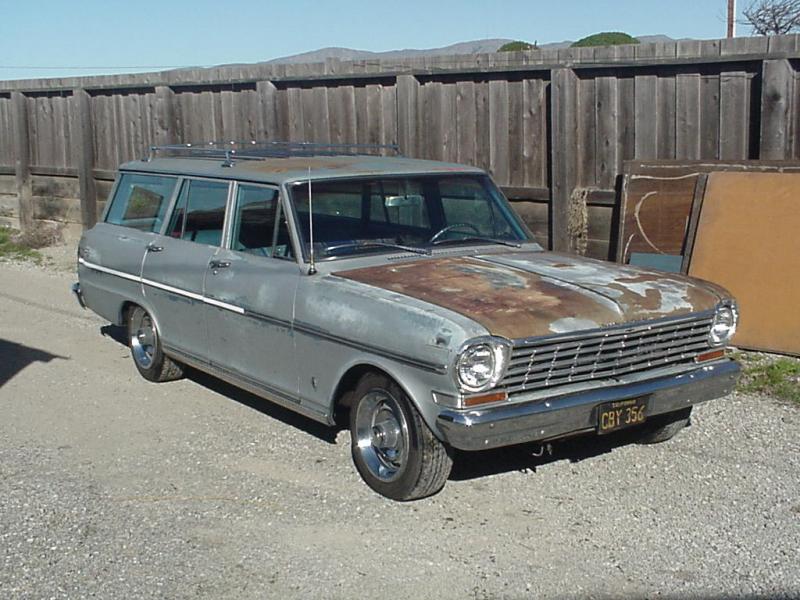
(665, 427)
(145, 345)
(393, 449)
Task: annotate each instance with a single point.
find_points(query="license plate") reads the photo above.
(613, 416)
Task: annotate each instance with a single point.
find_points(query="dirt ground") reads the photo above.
(113, 487)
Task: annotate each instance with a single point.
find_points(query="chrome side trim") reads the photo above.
(102, 269)
(298, 326)
(163, 286)
(570, 414)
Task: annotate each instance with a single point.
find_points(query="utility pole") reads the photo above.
(731, 18)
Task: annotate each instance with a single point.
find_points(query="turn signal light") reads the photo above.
(486, 399)
(712, 355)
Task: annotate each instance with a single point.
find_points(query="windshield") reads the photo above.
(359, 216)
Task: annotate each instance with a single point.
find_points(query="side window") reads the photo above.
(141, 201)
(258, 225)
(199, 214)
(466, 202)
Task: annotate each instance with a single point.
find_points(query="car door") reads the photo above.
(111, 253)
(249, 289)
(175, 265)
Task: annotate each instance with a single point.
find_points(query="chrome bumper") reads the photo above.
(562, 416)
(76, 290)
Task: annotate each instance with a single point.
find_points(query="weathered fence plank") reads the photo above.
(564, 106)
(83, 155)
(22, 166)
(776, 104)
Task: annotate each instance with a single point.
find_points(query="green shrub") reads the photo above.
(606, 38)
(517, 46)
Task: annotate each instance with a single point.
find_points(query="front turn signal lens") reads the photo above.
(485, 399)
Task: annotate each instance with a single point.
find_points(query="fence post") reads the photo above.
(777, 81)
(166, 119)
(407, 114)
(22, 166)
(83, 155)
(564, 153)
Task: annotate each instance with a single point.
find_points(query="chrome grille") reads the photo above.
(546, 362)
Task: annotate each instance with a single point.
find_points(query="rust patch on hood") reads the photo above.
(524, 295)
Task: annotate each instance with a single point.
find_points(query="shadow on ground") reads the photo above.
(270, 409)
(529, 457)
(14, 357)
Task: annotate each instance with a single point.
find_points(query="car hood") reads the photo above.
(525, 294)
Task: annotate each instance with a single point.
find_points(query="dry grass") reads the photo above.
(41, 235)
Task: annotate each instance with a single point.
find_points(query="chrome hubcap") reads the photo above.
(143, 339)
(382, 435)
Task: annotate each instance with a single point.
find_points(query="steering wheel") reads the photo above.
(447, 228)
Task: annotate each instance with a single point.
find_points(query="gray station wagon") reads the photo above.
(404, 297)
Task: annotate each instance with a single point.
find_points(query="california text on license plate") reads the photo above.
(620, 414)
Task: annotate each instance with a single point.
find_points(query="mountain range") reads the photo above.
(471, 47)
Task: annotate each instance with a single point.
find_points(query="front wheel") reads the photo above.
(393, 449)
(150, 360)
(665, 427)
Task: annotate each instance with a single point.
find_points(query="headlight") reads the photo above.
(481, 364)
(724, 325)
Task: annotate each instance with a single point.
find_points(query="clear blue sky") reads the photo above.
(142, 33)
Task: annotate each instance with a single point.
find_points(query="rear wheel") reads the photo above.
(665, 427)
(150, 360)
(393, 449)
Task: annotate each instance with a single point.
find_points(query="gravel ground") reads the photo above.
(112, 487)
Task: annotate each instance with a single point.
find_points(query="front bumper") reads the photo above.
(554, 418)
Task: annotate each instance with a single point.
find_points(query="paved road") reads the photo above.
(112, 487)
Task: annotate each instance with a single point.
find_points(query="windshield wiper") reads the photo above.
(373, 244)
(478, 238)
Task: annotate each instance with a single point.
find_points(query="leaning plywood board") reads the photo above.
(748, 241)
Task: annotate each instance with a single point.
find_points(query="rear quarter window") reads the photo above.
(141, 201)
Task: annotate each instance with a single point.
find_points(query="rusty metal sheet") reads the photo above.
(532, 294)
(748, 240)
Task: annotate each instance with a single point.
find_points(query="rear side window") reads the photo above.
(199, 214)
(141, 201)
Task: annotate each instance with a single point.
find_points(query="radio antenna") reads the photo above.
(311, 266)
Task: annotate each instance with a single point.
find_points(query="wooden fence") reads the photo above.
(553, 127)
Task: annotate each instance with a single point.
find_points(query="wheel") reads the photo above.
(145, 346)
(393, 449)
(665, 427)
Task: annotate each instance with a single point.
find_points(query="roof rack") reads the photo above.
(256, 150)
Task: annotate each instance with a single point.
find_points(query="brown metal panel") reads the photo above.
(747, 241)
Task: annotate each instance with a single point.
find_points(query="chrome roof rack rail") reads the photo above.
(256, 150)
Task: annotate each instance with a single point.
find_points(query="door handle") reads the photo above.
(154, 248)
(219, 264)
